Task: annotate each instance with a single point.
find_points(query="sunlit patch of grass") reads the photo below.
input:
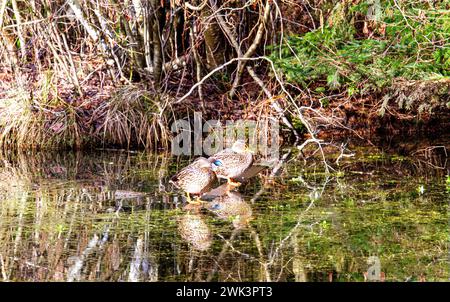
(38, 119)
(42, 120)
(133, 116)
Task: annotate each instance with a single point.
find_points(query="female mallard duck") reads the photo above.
(196, 179)
(232, 162)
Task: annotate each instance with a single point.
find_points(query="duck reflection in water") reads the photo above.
(236, 165)
(231, 207)
(194, 230)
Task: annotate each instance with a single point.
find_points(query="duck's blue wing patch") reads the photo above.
(218, 163)
(215, 206)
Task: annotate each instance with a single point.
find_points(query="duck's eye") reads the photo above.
(217, 163)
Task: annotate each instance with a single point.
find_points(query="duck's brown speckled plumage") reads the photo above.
(234, 161)
(197, 178)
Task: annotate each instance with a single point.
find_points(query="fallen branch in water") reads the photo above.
(74, 272)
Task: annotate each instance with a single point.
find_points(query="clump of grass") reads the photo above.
(38, 119)
(133, 117)
(42, 120)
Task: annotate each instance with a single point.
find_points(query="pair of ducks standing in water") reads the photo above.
(199, 177)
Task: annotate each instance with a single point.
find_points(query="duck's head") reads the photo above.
(239, 146)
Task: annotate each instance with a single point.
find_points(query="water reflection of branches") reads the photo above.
(267, 261)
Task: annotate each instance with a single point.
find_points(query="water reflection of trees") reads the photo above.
(78, 217)
(50, 204)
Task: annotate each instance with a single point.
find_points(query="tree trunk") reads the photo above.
(214, 40)
(158, 54)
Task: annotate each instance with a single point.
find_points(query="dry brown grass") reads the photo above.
(133, 117)
(42, 120)
(36, 118)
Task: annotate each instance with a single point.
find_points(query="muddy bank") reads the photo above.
(404, 111)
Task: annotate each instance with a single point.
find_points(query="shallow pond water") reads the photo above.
(111, 216)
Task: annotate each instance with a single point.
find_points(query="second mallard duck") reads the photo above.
(232, 162)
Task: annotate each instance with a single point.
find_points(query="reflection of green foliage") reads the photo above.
(407, 231)
(398, 158)
(349, 202)
(375, 156)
